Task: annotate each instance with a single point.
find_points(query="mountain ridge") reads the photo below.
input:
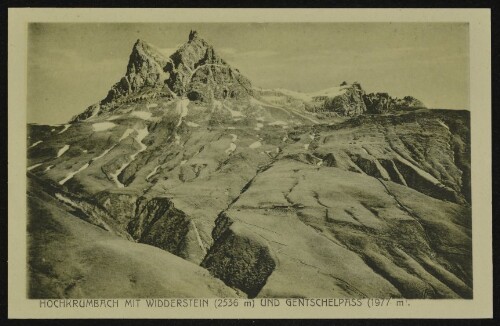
(197, 72)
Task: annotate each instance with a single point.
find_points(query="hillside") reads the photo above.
(188, 170)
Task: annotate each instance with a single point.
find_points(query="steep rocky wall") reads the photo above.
(238, 259)
(157, 222)
(377, 103)
(350, 103)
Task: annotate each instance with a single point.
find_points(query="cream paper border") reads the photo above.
(480, 104)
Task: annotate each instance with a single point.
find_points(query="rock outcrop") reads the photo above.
(350, 103)
(383, 103)
(346, 100)
(200, 74)
(144, 69)
(194, 71)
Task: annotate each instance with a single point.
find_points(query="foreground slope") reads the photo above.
(70, 258)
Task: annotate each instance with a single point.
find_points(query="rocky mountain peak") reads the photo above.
(144, 69)
(195, 71)
(192, 35)
(198, 72)
(145, 58)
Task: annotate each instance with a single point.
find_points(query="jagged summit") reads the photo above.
(195, 71)
(199, 73)
(144, 69)
(193, 34)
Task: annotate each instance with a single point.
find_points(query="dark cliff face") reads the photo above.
(354, 101)
(348, 104)
(383, 103)
(200, 74)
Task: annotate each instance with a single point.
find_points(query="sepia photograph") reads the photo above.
(269, 156)
(248, 160)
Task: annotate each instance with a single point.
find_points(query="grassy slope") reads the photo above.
(72, 259)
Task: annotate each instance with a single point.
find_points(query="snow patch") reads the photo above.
(103, 153)
(257, 144)
(66, 200)
(151, 105)
(101, 126)
(113, 117)
(294, 94)
(216, 105)
(329, 92)
(198, 238)
(182, 109)
(34, 166)
(259, 126)
(62, 150)
(142, 115)
(289, 111)
(153, 172)
(36, 143)
(183, 162)
(96, 110)
(234, 114)
(115, 175)
(141, 134)
(234, 137)
(65, 128)
(126, 134)
(232, 148)
(306, 146)
(443, 124)
(72, 174)
(278, 123)
(383, 172)
(231, 128)
(48, 168)
(192, 124)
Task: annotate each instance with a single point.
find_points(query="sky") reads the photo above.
(71, 66)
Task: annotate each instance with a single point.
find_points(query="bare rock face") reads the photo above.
(345, 100)
(382, 103)
(348, 104)
(200, 74)
(240, 260)
(144, 69)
